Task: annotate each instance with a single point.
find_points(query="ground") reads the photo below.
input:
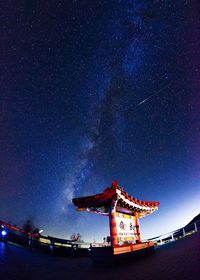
(176, 260)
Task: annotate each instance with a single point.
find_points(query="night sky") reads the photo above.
(95, 91)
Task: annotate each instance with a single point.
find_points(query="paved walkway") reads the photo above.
(177, 260)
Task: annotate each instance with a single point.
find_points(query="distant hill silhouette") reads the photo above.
(194, 220)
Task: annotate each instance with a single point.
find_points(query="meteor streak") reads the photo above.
(150, 96)
(146, 99)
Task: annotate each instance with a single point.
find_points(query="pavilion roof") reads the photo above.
(100, 203)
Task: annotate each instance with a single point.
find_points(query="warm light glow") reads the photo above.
(126, 230)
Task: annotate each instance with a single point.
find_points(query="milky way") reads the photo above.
(113, 88)
(94, 91)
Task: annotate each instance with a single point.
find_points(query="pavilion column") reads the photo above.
(113, 224)
(138, 240)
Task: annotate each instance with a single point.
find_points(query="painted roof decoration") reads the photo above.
(100, 203)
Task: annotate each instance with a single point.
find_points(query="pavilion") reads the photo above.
(124, 212)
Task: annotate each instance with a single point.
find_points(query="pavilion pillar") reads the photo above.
(138, 240)
(113, 224)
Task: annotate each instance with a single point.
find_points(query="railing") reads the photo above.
(46, 244)
(63, 247)
(177, 234)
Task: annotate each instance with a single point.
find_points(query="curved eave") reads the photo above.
(115, 192)
(144, 207)
(139, 203)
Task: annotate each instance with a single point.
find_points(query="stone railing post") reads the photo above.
(52, 247)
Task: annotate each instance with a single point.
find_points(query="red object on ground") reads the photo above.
(15, 228)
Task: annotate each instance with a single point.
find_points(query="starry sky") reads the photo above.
(96, 91)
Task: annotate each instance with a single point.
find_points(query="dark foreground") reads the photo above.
(176, 260)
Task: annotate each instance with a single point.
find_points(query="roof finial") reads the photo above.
(115, 183)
